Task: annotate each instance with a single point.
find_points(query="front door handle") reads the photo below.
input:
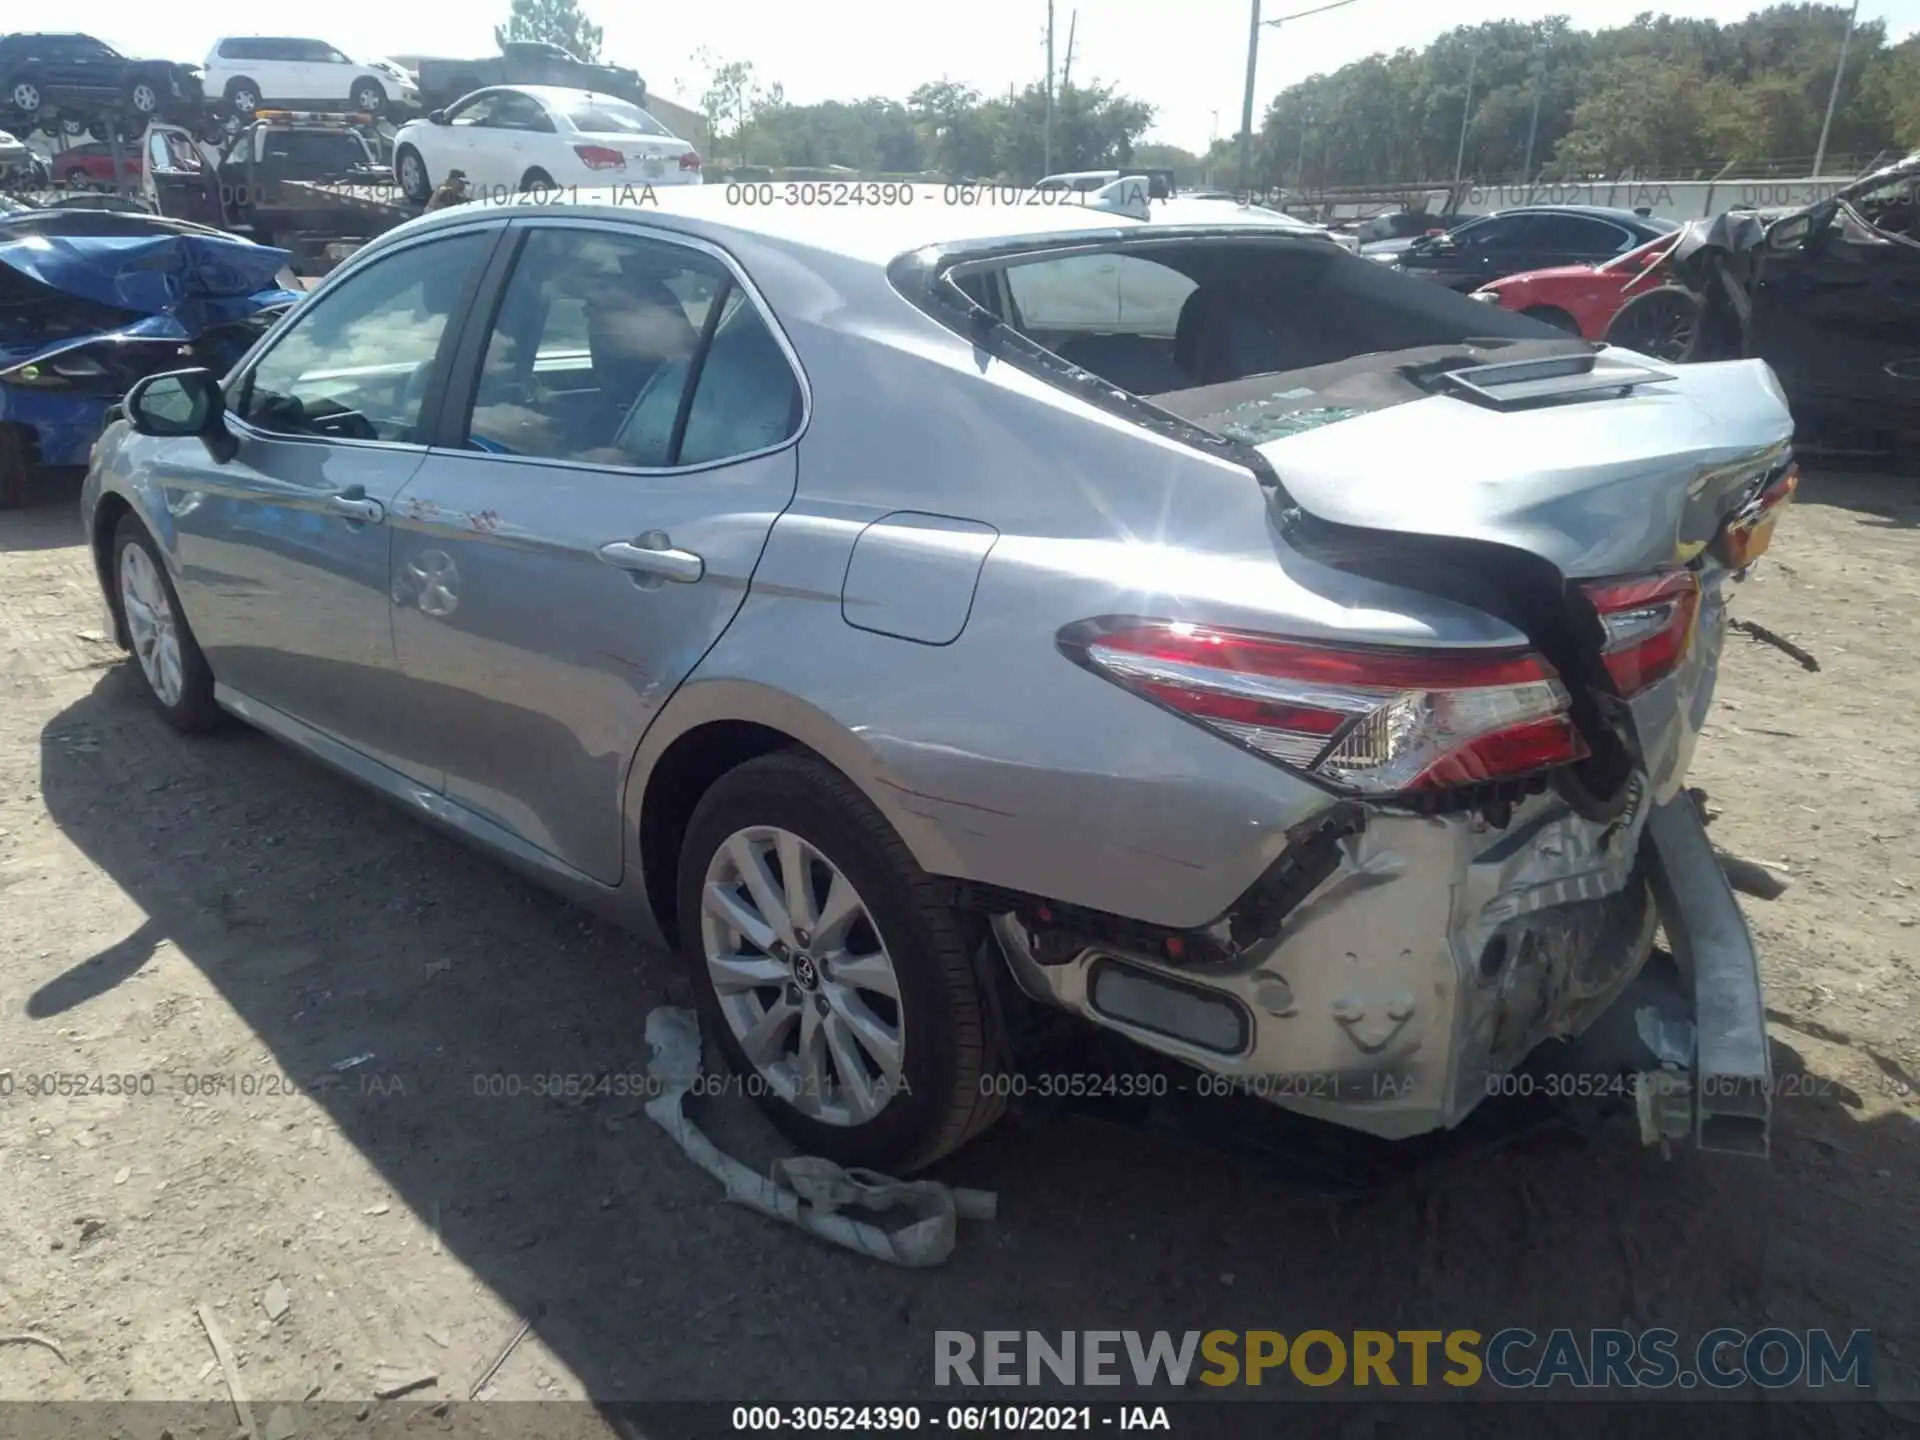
(352, 504)
(653, 554)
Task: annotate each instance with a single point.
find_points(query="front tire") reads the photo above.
(1552, 315)
(143, 98)
(172, 670)
(369, 96)
(827, 968)
(411, 171)
(1664, 323)
(16, 468)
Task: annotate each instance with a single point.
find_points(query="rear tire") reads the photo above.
(831, 986)
(172, 671)
(535, 179)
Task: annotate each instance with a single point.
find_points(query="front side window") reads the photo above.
(520, 112)
(598, 338)
(477, 111)
(356, 365)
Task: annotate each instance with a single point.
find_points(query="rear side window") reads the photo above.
(1099, 292)
(1578, 235)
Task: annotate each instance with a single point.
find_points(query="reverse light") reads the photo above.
(599, 157)
(1373, 719)
(690, 161)
(1648, 621)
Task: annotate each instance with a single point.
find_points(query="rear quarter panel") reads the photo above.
(996, 758)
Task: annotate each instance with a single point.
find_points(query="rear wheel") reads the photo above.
(243, 95)
(535, 179)
(412, 173)
(172, 669)
(829, 972)
(1663, 323)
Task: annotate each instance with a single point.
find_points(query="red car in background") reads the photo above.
(1580, 298)
(90, 166)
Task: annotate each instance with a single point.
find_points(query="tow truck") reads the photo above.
(308, 182)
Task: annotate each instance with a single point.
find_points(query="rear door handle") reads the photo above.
(353, 504)
(653, 554)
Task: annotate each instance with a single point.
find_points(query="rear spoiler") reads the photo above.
(1560, 377)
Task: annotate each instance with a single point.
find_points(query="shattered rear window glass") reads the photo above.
(1254, 423)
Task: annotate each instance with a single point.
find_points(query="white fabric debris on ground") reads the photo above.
(807, 1191)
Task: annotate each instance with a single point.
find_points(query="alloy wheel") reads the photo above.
(145, 98)
(150, 624)
(413, 175)
(802, 975)
(370, 100)
(26, 98)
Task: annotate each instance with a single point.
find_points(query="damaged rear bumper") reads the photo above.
(1365, 1012)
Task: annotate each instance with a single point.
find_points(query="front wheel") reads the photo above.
(173, 672)
(411, 171)
(1663, 323)
(143, 98)
(837, 984)
(369, 97)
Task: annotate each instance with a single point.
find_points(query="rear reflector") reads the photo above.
(690, 161)
(1649, 623)
(599, 157)
(1373, 719)
(1750, 531)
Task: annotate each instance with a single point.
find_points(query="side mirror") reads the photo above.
(179, 404)
(436, 117)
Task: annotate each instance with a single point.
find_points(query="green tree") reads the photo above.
(554, 22)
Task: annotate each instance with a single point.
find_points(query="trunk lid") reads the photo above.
(1613, 471)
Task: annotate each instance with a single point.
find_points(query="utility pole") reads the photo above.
(1253, 65)
(1047, 168)
(1833, 97)
(1533, 126)
(1300, 160)
(1066, 66)
(1466, 114)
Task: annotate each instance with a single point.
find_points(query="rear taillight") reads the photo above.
(690, 161)
(1648, 621)
(1750, 531)
(1373, 719)
(599, 157)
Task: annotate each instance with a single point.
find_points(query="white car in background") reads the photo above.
(251, 71)
(530, 137)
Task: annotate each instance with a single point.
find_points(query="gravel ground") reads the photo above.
(174, 908)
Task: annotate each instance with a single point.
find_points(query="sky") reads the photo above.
(1190, 63)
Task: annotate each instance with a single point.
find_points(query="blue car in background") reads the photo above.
(91, 301)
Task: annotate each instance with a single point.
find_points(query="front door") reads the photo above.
(619, 446)
(177, 178)
(1837, 315)
(283, 550)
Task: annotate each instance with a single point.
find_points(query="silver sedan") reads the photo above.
(929, 615)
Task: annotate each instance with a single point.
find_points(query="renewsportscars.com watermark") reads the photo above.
(1512, 1359)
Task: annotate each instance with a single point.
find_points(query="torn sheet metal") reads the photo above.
(84, 316)
(806, 1191)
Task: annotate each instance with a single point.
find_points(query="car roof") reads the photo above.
(875, 233)
(1617, 213)
(561, 94)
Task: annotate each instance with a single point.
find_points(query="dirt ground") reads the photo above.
(173, 909)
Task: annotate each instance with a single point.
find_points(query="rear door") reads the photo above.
(618, 442)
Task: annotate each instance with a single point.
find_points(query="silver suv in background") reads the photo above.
(932, 617)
